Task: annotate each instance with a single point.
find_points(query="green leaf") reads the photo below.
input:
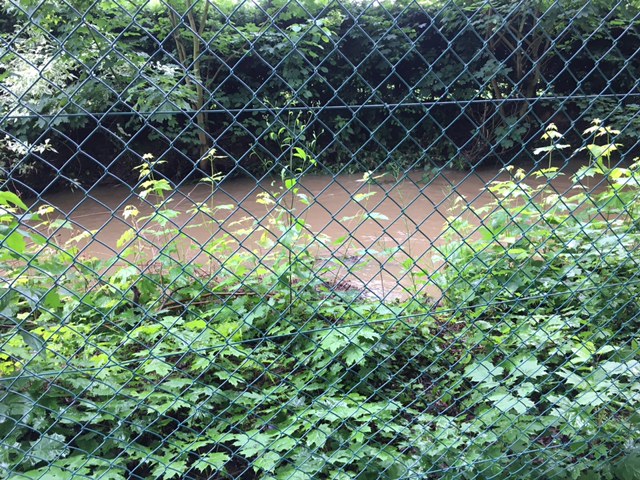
(212, 461)
(592, 398)
(126, 237)
(252, 443)
(158, 367)
(289, 183)
(35, 342)
(316, 438)
(51, 472)
(52, 299)
(354, 354)
(333, 341)
(283, 444)
(304, 199)
(167, 469)
(266, 461)
(109, 473)
(587, 171)
(550, 148)
(482, 371)
(48, 448)
(628, 467)
(11, 199)
(582, 353)
(300, 153)
(529, 367)
(15, 242)
(505, 402)
(614, 368)
(599, 151)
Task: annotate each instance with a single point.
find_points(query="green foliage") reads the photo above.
(147, 368)
(462, 80)
(549, 293)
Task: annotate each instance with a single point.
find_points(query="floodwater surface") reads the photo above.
(367, 229)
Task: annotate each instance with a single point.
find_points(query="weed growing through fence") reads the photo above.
(219, 243)
(347, 253)
(552, 135)
(548, 294)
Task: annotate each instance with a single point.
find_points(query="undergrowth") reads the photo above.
(251, 364)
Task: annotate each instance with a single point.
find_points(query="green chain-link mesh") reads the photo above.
(309, 239)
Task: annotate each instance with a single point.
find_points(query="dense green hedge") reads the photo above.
(393, 79)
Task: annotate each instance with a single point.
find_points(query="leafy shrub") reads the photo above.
(188, 76)
(549, 290)
(259, 368)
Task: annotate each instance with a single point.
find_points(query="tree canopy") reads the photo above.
(464, 81)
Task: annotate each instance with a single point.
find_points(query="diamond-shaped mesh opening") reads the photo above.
(294, 239)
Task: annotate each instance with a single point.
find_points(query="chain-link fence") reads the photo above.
(309, 239)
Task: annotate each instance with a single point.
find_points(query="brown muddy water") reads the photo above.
(408, 216)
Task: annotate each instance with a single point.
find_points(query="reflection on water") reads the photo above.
(406, 221)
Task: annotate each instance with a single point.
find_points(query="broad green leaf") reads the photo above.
(505, 402)
(52, 299)
(11, 199)
(304, 199)
(252, 443)
(48, 448)
(526, 365)
(266, 461)
(158, 367)
(211, 461)
(110, 473)
(47, 472)
(599, 151)
(550, 148)
(126, 237)
(592, 398)
(15, 242)
(316, 438)
(353, 355)
(300, 153)
(289, 183)
(482, 371)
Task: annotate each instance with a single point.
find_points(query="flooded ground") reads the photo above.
(406, 217)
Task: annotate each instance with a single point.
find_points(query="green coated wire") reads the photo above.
(409, 401)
